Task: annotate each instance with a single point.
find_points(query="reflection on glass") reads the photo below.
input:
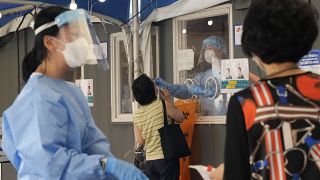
(126, 106)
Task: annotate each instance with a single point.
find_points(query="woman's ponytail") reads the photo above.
(30, 64)
(34, 58)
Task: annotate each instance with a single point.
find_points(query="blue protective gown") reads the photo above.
(49, 133)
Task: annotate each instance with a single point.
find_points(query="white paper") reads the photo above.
(86, 85)
(96, 52)
(185, 59)
(203, 171)
(237, 34)
(311, 61)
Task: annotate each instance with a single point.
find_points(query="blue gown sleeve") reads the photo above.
(45, 153)
(95, 141)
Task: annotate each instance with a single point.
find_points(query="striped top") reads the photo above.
(149, 119)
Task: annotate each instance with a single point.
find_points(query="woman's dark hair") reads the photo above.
(34, 58)
(143, 90)
(279, 30)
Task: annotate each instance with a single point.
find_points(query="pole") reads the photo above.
(135, 37)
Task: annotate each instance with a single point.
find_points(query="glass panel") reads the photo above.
(209, 39)
(126, 106)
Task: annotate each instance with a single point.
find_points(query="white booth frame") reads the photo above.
(225, 9)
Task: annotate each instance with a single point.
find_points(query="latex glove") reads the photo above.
(161, 83)
(197, 90)
(118, 169)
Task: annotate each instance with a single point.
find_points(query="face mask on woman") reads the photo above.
(75, 53)
(210, 56)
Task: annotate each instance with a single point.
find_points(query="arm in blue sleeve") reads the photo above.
(8, 145)
(46, 151)
(182, 91)
(95, 142)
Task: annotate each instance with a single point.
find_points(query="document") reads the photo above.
(204, 171)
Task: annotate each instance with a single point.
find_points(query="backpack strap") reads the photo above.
(273, 141)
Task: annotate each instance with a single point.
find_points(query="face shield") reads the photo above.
(213, 48)
(77, 34)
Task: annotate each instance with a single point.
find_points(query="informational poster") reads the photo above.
(185, 59)
(235, 75)
(311, 61)
(86, 85)
(238, 29)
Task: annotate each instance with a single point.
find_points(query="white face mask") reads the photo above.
(75, 53)
(208, 55)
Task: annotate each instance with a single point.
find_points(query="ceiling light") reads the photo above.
(184, 31)
(102, 0)
(0, 15)
(210, 22)
(73, 5)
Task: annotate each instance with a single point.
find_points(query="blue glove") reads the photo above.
(197, 90)
(118, 169)
(160, 83)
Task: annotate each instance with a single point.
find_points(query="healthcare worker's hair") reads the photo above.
(279, 31)
(34, 58)
(143, 90)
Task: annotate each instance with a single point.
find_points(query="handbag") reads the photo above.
(173, 142)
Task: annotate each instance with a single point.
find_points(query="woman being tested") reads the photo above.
(273, 128)
(147, 120)
(48, 132)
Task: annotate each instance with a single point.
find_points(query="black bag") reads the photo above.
(173, 142)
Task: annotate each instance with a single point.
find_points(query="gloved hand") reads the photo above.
(209, 93)
(118, 169)
(197, 90)
(161, 83)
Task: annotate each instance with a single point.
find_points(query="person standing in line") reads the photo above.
(273, 128)
(147, 120)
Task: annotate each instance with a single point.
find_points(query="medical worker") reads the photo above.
(48, 132)
(206, 83)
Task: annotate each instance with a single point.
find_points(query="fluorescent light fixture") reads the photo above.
(73, 5)
(184, 31)
(102, 0)
(210, 22)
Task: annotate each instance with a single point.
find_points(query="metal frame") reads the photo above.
(225, 9)
(155, 32)
(116, 115)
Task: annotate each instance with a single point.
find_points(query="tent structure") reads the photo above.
(18, 14)
(117, 11)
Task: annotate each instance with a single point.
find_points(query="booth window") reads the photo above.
(121, 109)
(193, 33)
